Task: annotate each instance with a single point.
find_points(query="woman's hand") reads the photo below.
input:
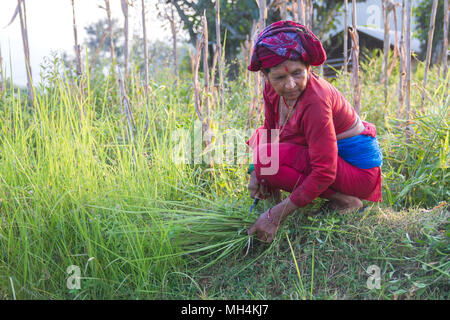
(266, 226)
(257, 190)
(265, 229)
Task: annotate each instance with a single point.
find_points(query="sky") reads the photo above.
(50, 29)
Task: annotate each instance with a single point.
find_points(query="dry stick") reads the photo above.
(396, 49)
(124, 4)
(355, 62)
(195, 63)
(429, 47)
(283, 10)
(346, 39)
(144, 31)
(77, 46)
(173, 29)
(386, 49)
(401, 96)
(408, 59)
(99, 48)
(206, 86)
(445, 46)
(110, 31)
(262, 14)
(26, 50)
(213, 77)
(301, 11)
(2, 76)
(125, 103)
(220, 67)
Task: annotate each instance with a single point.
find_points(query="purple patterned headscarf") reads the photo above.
(286, 40)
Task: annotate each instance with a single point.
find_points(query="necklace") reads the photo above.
(291, 110)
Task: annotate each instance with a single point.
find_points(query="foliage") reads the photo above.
(75, 190)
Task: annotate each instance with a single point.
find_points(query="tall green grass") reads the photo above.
(75, 190)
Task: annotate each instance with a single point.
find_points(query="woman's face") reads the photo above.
(289, 79)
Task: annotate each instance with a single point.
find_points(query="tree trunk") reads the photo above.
(2, 76)
(429, 47)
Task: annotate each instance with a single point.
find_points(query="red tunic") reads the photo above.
(322, 113)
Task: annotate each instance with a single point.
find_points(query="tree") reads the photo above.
(422, 13)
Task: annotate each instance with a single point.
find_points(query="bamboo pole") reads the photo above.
(206, 85)
(346, 38)
(173, 29)
(445, 45)
(355, 62)
(220, 67)
(124, 5)
(2, 76)
(301, 11)
(386, 49)
(144, 31)
(429, 47)
(262, 14)
(408, 59)
(110, 31)
(26, 48)
(77, 46)
(283, 9)
(401, 96)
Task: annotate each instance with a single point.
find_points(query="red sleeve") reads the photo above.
(317, 124)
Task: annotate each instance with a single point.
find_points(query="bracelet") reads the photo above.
(270, 219)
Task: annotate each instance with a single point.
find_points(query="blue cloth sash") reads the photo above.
(362, 151)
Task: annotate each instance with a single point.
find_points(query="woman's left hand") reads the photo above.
(267, 226)
(265, 229)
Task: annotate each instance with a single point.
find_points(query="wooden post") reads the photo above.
(445, 45)
(77, 46)
(346, 38)
(2, 76)
(262, 14)
(386, 49)
(144, 32)
(26, 49)
(429, 47)
(125, 5)
(401, 96)
(283, 9)
(220, 66)
(301, 11)
(355, 62)
(408, 59)
(110, 31)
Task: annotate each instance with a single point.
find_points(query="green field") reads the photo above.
(76, 189)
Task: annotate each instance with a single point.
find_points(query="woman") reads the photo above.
(312, 144)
